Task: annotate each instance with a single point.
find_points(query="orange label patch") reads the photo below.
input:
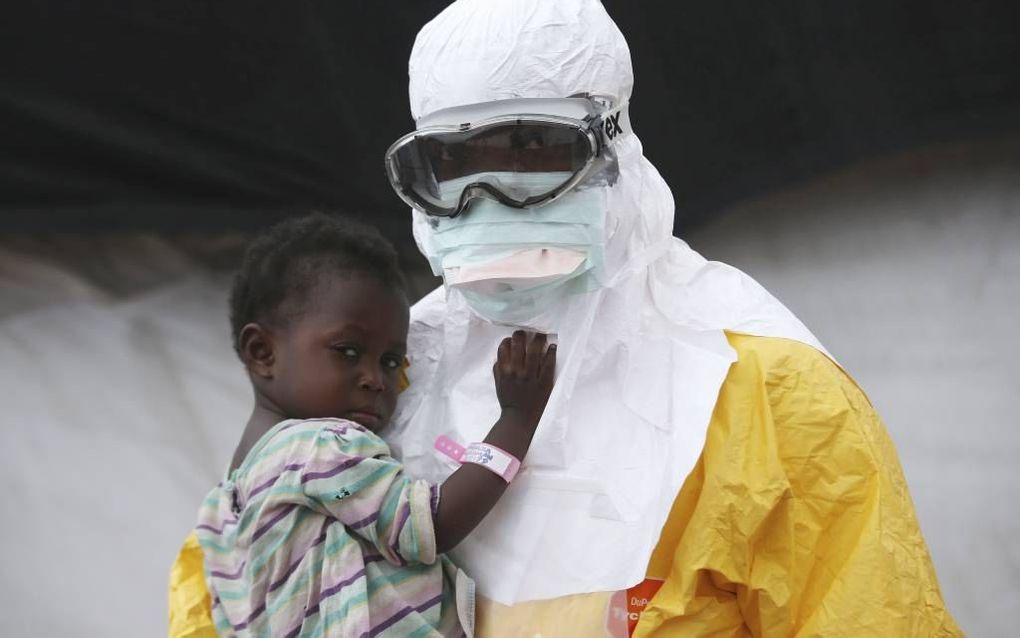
(625, 607)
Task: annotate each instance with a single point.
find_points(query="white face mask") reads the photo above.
(511, 264)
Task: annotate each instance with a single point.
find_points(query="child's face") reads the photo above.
(342, 356)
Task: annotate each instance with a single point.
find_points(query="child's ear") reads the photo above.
(256, 347)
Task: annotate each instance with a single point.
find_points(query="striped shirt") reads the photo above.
(319, 533)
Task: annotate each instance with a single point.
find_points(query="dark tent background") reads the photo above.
(194, 115)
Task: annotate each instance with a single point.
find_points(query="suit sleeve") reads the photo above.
(797, 520)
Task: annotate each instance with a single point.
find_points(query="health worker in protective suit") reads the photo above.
(703, 466)
(700, 446)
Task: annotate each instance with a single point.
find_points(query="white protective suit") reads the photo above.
(641, 359)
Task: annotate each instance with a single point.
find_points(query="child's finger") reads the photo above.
(503, 358)
(536, 349)
(517, 350)
(548, 372)
(503, 350)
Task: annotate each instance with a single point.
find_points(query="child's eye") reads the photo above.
(347, 351)
(392, 363)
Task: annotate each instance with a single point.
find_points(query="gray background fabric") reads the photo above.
(123, 400)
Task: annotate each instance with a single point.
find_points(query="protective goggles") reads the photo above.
(432, 168)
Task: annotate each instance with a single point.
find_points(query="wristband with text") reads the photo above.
(490, 457)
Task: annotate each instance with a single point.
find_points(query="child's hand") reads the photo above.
(524, 372)
(524, 379)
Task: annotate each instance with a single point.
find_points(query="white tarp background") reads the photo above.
(121, 402)
(121, 397)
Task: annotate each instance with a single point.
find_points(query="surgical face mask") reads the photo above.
(512, 265)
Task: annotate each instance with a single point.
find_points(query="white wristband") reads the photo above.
(492, 458)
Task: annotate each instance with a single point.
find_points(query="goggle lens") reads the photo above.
(427, 160)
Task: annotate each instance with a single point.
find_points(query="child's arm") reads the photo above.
(524, 379)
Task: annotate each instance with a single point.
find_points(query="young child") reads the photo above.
(316, 531)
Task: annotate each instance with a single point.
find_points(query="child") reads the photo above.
(316, 530)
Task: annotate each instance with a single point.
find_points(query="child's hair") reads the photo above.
(282, 265)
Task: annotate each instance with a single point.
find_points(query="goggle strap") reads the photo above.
(615, 123)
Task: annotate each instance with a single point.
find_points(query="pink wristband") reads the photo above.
(490, 457)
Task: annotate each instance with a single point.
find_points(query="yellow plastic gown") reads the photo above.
(796, 521)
